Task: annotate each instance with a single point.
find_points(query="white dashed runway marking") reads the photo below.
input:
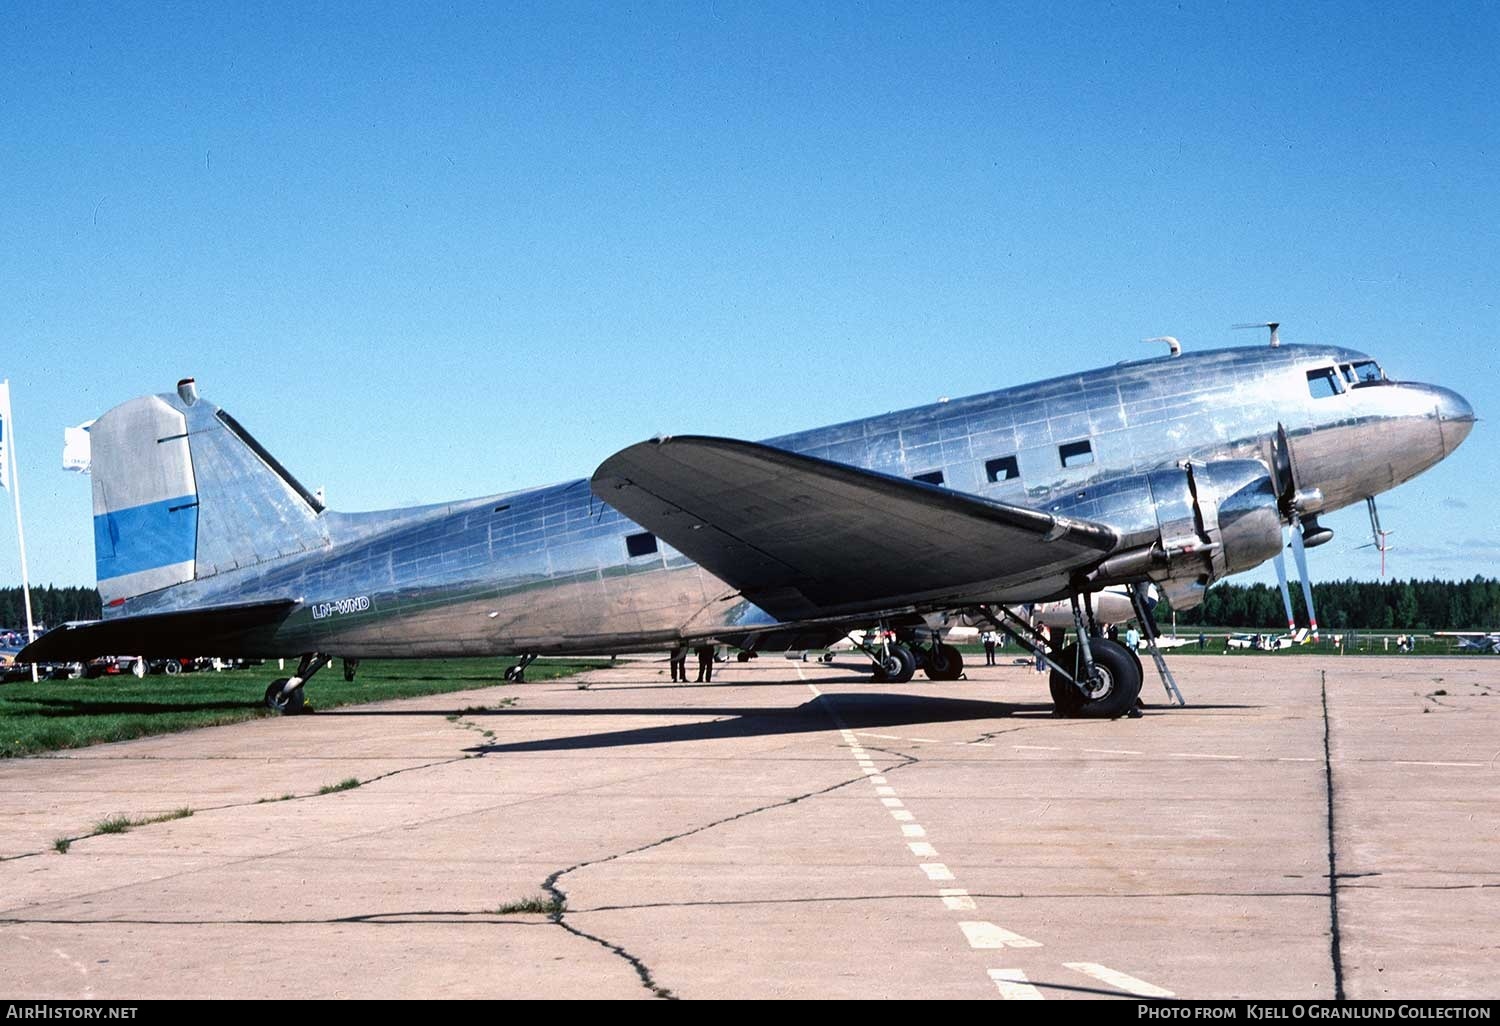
(1119, 980)
(957, 899)
(988, 935)
(1013, 986)
(981, 935)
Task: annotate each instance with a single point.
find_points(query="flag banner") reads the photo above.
(76, 452)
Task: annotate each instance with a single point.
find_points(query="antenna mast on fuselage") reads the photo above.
(1273, 325)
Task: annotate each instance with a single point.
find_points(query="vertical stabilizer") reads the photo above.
(182, 492)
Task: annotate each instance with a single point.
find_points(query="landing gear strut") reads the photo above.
(517, 673)
(285, 694)
(1095, 678)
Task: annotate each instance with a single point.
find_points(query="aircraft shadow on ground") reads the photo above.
(857, 711)
(64, 707)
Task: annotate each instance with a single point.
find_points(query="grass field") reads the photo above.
(50, 715)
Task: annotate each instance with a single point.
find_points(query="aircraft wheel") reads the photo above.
(515, 675)
(171, 667)
(826, 657)
(908, 660)
(286, 704)
(139, 667)
(1114, 691)
(944, 662)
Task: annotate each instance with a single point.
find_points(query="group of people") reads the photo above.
(705, 663)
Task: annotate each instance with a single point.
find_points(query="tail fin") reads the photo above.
(182, 492)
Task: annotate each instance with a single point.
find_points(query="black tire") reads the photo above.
(1116, 690)
(908, 660)
(1066, 699)
(171, 667)
(286, 704)
(887, 670)
(943, 662)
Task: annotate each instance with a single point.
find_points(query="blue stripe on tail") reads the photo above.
(157, 534)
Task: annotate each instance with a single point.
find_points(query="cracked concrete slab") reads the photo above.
(791, 830)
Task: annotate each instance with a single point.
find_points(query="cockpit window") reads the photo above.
(1362, 373)
(1324, 382)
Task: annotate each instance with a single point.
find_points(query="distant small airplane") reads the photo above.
(1269, 642)
(1176, 471)
(1474, 641)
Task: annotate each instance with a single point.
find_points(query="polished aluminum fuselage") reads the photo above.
(547, 570)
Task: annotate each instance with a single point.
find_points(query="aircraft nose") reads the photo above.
(1455, 417)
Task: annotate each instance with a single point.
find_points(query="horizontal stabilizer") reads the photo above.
(803, 537)
(216, 630)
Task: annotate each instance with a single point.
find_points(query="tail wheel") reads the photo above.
(1113, 691)
(286, 703)
(943, 662)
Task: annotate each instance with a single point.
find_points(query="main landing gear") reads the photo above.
(1092, 678)
(897, 662)
(517, 673)
(285, 694)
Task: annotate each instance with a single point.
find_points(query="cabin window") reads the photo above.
(1323, 382)
(934, 477)
(1076, 454)
(642, 544)
(1002, 469)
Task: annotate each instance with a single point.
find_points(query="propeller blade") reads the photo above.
(1286, 595)
(1301, 554)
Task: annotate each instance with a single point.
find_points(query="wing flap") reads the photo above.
(803, 537)
(214, 630)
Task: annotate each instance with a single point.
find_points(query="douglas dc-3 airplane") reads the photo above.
(1178, 470)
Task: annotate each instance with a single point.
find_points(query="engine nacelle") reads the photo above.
(1184, 527)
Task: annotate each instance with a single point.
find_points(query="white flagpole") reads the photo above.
(15, 491)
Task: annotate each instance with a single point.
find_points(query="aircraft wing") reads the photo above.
(212, 630)
(803, 537)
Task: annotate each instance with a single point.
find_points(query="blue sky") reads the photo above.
(438, 252)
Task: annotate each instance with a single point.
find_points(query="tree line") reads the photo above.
(50, 605)
(1355, 605)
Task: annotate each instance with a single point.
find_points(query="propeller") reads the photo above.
(1286, 595)
(1294, 503)
(1299, 551)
